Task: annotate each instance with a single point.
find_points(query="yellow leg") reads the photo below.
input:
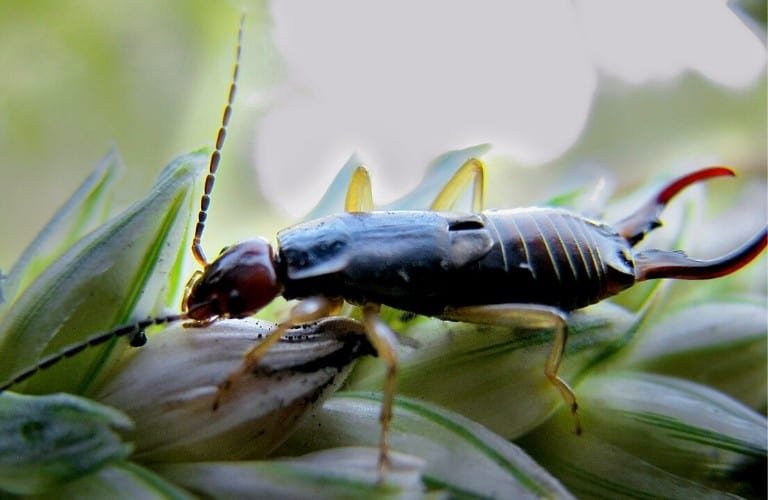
(381, 337)
(359, 196)
(305, 311)
(535, 316)
(188, 288)
(473, 170)
(384, 340)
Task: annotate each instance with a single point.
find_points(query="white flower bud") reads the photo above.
(169, 386)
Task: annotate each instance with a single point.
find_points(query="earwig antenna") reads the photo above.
(197, 249)
(135, 330)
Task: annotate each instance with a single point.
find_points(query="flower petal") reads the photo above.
(168, 387)
(335, 473)
(462, 457)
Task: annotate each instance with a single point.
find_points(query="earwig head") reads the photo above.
(242, 280)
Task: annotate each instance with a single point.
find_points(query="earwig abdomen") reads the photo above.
(558, 258)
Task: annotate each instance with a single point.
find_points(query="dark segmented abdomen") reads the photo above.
(559, 257)
(426, 261)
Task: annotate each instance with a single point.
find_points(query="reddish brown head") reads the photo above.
(242, 280)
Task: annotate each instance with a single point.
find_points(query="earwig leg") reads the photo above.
(188, 288)
(529, 316)
(473, 170)
(305, 311)
(384, 341)
(552, 365)
(646, 218)
(359, 197)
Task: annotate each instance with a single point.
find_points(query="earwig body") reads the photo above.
(426, 261)
(496, 266)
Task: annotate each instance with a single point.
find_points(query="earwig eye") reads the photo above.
(236, 303)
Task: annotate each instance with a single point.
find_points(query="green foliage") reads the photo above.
(109, 276)
(47, 441)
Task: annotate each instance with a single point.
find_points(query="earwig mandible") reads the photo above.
(516, 266)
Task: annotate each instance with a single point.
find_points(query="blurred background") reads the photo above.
(570, 93)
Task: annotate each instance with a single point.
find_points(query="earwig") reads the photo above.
(517, 266)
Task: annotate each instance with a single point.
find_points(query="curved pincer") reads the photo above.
(652, 264)
(646, 218)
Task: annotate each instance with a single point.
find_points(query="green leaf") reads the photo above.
(720, 344)
(593, 468)
(689, 421)
(682, 428)
(85, 209)
(47, 440)
(331, 474)
(462, 458)
(485, 371)
(118, 272)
